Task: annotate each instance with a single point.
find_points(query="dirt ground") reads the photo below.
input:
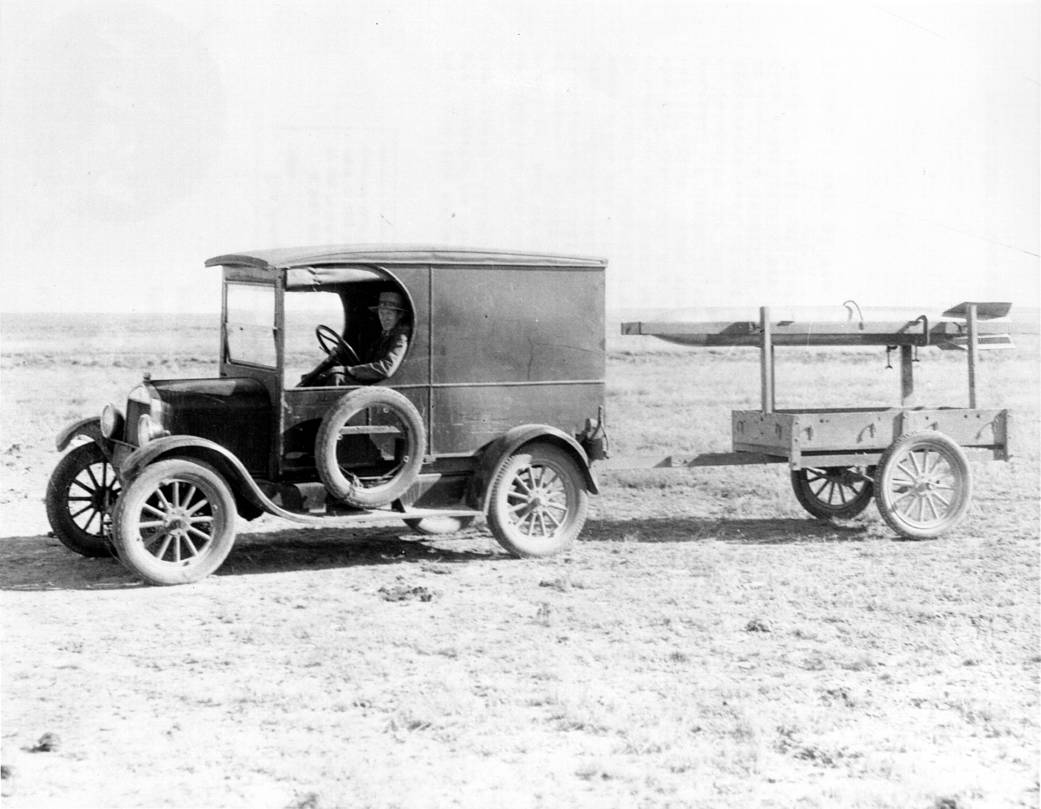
(705, 644)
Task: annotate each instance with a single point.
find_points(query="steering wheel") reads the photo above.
(334, 345)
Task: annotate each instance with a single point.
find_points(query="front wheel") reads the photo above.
(80, 495)
(833, 492)
(923, 485)
(175, 522)
(538, 501)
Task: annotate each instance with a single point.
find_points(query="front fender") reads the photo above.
(498, 452)
(88, 428)
(202, 449)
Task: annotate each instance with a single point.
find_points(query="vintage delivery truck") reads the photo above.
(493, 407)
(438, 385)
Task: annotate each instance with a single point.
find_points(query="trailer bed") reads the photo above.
(849, 436)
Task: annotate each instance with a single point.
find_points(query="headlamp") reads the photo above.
(111, 422)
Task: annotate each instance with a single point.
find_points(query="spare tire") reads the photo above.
(383, 453)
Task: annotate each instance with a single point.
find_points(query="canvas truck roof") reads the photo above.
(292, 257)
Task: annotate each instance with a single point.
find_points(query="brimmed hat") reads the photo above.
(390, 300)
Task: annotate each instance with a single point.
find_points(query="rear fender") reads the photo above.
(250, 499)
(87, 428)
(497, 453)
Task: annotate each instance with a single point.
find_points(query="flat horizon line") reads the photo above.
(751, 308)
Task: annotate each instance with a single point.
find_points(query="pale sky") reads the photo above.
(716, 154)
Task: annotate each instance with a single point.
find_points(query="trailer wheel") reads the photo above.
(369, 448)
(80, 494)
(833, 491)
(175, 522)
(538, 501)
(923, 485)
(436, 526)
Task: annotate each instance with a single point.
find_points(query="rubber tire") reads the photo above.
(824, 511)
(329, 432)
(126, 533)
(886, 500)
(437, 526)
(59, 514)
(507, 532)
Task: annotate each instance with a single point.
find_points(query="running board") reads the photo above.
(371, 515)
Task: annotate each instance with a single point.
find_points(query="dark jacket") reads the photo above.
(384, 356)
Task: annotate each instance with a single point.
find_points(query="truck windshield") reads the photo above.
(250, 323)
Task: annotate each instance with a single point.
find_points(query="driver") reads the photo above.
(383, 357)
(386, 354)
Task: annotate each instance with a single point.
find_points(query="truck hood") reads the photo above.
(233, 412)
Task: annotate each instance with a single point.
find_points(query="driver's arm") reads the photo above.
(384, 366)
(318, 371)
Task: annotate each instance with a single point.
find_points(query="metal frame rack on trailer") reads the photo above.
(912, 460)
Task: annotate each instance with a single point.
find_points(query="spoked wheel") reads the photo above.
(538, 501)
(923, 485)
(80, 495)
(175, 522)
(369, 447)
(834, 491)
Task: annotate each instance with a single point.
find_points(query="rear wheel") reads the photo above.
(538, 501)
(175, 522)
(80, 496)
(923, 485)
(834, 491)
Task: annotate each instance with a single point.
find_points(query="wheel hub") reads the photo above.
(102, 498)
(538, 509)
(176, 519)
(923, 485)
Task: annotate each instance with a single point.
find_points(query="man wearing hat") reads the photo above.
(389, 350)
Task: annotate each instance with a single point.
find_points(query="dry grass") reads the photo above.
(705, 645)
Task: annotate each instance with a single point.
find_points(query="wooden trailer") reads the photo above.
(913, 460)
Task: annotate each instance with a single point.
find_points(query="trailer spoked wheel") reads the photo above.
(538, 501)
(369, 448)
(175, 522)
(923, 485)
(834, 491)
(80, 495)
